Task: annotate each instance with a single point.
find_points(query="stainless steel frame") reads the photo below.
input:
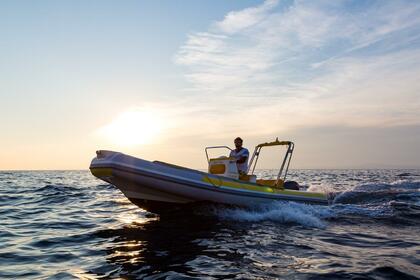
(282, 174)
(214, 147)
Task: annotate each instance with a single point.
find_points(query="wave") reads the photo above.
(56, 188)
(378, 192)
(377, 201)
(283, 212)
(305, 215)
(382, 272)
(366, 210)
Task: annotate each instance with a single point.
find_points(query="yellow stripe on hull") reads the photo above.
(218, 182)
(101, 171)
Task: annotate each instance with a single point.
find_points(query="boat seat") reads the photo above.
(217, 169)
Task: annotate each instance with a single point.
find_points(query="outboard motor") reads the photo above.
(291, 185)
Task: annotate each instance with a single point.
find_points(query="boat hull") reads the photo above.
(157, 186)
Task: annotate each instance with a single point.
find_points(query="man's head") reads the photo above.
(238, 142)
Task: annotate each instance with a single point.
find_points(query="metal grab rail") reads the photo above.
(215, 147)
(286, 160)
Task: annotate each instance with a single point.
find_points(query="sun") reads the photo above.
(133, 127)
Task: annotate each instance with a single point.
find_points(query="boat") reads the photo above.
(161, 187)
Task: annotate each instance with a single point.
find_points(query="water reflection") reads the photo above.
(193, 246)
(171, 246)
(202, 246)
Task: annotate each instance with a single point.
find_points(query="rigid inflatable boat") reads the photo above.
(159, 187)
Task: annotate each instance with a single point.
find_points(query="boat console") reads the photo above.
(226, 166)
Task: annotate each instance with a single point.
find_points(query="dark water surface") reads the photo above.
(69, 225)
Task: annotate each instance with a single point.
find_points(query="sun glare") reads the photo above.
(133, 128)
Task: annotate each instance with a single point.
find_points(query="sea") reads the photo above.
(70, 225)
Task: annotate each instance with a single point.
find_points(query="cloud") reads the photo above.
(238, 20)
(308, 63)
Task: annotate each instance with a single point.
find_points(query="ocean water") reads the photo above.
(69, 225)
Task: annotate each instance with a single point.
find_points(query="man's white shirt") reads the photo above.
(242, 167)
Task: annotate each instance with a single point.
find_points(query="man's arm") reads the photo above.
(243, 156)
(242, 159)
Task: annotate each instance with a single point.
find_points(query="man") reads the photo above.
(241, 154)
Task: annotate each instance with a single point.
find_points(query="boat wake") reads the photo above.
(370, 193)
(283, 212)
(397, 200)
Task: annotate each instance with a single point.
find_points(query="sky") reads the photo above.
(161, 80)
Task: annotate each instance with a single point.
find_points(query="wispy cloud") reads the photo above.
(239, 20)
(310, 63)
